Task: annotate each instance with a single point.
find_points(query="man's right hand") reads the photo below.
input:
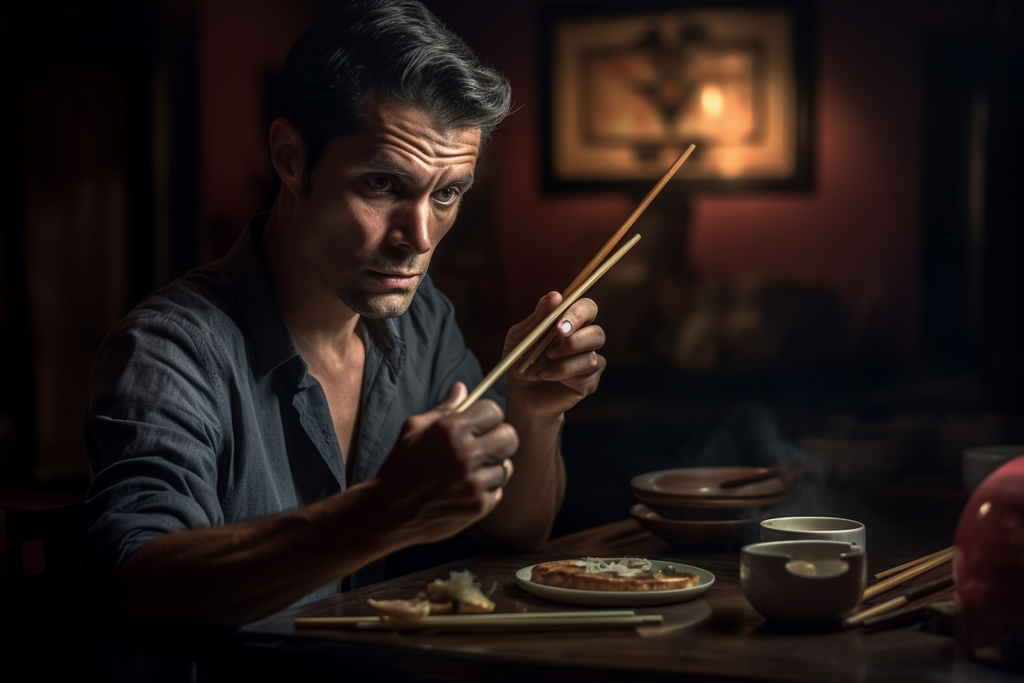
(445, 473)
(447, 469)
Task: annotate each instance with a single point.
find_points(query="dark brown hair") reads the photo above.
(394, 49)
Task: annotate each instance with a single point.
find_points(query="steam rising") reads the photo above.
(750, 437)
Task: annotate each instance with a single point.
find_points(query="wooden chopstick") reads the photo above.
(905, 616)
(352, 622)
(903, 577)
(912, 563)
(764, 475)
(609, 245)
(502, 367)
(908, 595)
(455, 624)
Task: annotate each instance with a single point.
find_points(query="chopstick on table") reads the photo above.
(352, 622)
(484, 623)
(912, 563)
(605, 250)
(502, 367)
(907, 596)
(454, 624)
(939, 612)
(901, 578)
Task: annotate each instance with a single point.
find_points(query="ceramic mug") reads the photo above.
(814, 529)
(803, 580)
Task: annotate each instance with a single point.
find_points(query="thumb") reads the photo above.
(545, 305)
(456, 395)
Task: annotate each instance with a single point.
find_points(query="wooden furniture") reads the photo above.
(717, 637)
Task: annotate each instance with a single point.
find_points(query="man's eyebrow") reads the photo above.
(383, 163)
(387, 165)
(465, 182)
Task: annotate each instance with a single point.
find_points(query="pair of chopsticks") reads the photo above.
(903, 573)
(898, 576)
(491, 623)
(593, 272)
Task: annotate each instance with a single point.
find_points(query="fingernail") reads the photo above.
(565, 327)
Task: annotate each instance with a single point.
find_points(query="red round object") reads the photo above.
(989, 568)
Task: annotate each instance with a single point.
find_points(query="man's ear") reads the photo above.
(288, 154)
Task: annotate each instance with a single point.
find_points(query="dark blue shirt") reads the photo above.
(202, 412)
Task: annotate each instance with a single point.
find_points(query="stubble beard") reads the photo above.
(379, 306)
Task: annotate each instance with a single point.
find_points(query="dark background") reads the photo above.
(891, 294)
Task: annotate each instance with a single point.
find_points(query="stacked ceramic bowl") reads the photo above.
(700, 508)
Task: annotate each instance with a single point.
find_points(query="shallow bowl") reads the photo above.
(696, 534)
(691, 485)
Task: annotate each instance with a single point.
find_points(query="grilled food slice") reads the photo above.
(593, 574)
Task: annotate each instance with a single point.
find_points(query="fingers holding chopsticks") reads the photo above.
(448, 469)
(574, 360)
(570, 367)
(547, 303)
(576, 332)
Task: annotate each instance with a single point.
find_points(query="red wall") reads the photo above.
(240, 41)
(859, 229)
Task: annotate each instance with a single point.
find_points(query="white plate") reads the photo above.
(619, 598)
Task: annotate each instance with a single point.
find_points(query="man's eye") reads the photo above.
(448, 195)
(379, 183)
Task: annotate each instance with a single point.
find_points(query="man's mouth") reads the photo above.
(396, 279)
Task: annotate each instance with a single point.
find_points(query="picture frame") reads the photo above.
(627, 87)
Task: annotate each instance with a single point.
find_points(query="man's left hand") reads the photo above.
(569, 369)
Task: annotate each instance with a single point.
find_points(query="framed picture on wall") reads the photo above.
(627, 87)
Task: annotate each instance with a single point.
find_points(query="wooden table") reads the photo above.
(716, 637)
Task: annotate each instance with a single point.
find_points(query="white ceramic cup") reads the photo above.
(803, 580)
(981, 461)
(814, 529)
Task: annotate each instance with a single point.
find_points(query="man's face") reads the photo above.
(380, 202)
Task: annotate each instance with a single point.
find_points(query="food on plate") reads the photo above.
(400, 610)
(461, 591)
(458, 594)
(596, 574)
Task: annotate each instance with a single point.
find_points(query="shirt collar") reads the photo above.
(266, 328)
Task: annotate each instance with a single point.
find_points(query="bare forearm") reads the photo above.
(533, 497)
(439, 479)
(237, 573)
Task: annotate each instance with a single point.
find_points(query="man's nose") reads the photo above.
(411, 227)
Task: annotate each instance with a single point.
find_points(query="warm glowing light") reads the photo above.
(983, 510)
(712, 101)
(730, 163)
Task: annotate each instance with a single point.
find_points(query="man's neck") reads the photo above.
(324, 330)
(320, 324)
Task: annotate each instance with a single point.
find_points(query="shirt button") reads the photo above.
(327, 436)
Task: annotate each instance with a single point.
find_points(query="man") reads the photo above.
(284, 418)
